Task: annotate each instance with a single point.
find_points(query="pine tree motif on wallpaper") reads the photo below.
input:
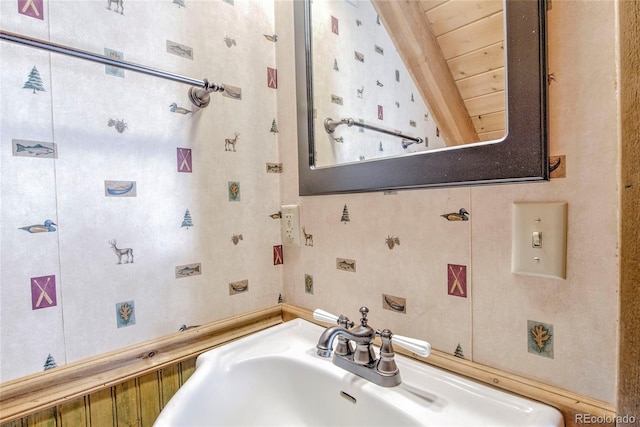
(50, 363)
(180, 3)
(458, 352)
(187, 221)
(345, 215)
(274, 127)
(34, 81)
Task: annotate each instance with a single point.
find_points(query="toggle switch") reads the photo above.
(530, 255)
(536, 239)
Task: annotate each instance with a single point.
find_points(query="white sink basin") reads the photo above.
(275, 378)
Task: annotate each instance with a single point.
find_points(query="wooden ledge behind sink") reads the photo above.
(69, 385)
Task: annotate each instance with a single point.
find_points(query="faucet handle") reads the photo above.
(324, 316)
(419, 347)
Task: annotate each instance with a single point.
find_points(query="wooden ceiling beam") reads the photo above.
(411, 33)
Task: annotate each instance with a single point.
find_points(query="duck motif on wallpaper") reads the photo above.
(271, 37)
(180, 110)
(461, 215)
(47, 227)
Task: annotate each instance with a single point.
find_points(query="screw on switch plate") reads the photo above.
(290, 225)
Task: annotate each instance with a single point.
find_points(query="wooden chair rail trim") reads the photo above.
(33, 393)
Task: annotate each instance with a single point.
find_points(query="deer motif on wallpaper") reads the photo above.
(119, 252)
(231, 142)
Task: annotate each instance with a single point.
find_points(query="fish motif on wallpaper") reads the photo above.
(179, 49)
(39, 149)
(188, 270)
(179, 110)
(47, 227)
(34, 81)
(346, 264)
(119, 5)
(274, 167)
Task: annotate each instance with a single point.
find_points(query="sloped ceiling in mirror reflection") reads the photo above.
(466, 91)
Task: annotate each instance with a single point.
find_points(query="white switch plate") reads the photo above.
(543, 225)
(290, 225)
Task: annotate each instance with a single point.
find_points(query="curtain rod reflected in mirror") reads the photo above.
(521, 155)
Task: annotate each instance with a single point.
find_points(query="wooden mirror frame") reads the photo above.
(522, 156)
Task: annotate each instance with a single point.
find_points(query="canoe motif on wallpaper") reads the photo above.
(238, 287)
(397, 304)
(232, 92)
(120, 189)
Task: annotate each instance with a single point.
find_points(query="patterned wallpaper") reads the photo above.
(128, 213)
(358, 74)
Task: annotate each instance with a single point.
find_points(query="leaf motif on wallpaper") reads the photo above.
(119, 6)
(34, 82)
(308, 284)
(234, 191)
(119, 125)
(110, 69)
(125, 313)
(180, 110)
(271, 37)
(229, 41)
(540, 336)
(392, 242)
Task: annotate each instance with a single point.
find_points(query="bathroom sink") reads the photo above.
(275, 378)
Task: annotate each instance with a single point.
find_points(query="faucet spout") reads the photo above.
(325, 342)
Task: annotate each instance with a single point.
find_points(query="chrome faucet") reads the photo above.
(362, 360)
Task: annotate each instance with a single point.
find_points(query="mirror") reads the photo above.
(521, 155)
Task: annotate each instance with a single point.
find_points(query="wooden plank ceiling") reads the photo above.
(454, 50)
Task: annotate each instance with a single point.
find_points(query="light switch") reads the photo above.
(539, 239)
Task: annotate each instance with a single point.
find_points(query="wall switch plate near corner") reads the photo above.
(539, 239)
